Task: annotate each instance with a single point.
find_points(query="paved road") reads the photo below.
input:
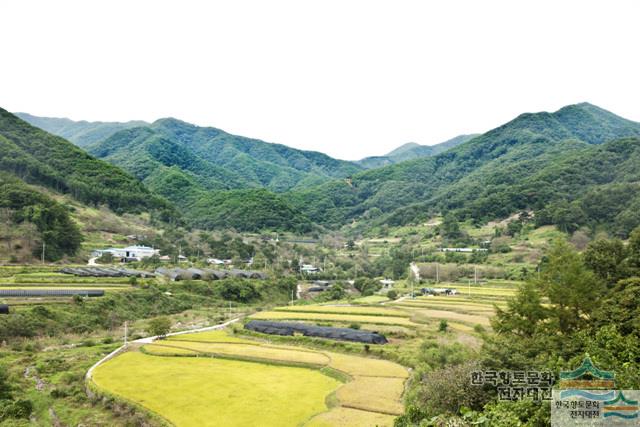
(149, 340)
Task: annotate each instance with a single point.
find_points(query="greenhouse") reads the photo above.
(293, 328)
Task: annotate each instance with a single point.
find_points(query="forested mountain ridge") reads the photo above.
(36, 166)
(226, 161)
(412, 150)
(81, 133)
(477, 178)
(38, 157)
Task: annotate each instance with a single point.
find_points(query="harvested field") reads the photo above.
(335, 309)
(342, 416)
(347, 318)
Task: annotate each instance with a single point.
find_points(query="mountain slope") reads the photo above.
(411, 150)
(36, 168)
(38, 157)
(81, 133)
(473, 178)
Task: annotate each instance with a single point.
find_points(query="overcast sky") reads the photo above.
(349, 78)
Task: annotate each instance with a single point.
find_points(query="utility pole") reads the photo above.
(44, 245)
(475, 274)
(437, 274)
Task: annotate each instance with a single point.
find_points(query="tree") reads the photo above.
(605, 258)
(450, 228)
(159, 326)
(572, 289)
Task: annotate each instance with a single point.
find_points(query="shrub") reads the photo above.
(443, 326)
(449, 389)
(392, 294)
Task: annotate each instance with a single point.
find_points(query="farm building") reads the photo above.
(292, 328)
(177, 274)
(105, 272)
(4, 309)
(309, 269)
(130, 253)
(387, 283)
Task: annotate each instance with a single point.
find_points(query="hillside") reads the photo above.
(40, 158)
(36, 169)
(485, 177)
(81, 133)
(412, 150)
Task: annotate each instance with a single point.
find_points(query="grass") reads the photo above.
(332, 309)
(346, 318)
(219, 335)
(371, 299)
(191, 391)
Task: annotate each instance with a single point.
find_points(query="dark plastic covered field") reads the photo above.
(4, 309)
(50, 292)
(291, 328)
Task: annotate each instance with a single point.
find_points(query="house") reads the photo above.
(182, 258)
(130, 253)
(387, 283)
(165, 258)
(308, 269)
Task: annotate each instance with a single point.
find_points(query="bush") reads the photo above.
(449, 389)
(392, 294)
(354, 326)
(443, 326)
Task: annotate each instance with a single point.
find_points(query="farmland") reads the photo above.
(190, 391)
(373, 388)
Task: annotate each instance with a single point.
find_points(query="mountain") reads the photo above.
(35, 166)
(81, 133)
(190, 165)
(487, 177)
(412, 150)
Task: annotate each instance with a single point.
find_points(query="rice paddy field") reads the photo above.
(224, 377)
(196, 391)
(332, 317)
(228, 380)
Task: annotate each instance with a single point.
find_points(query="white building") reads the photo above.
(308, 268)
(130, 253)
(387, 283)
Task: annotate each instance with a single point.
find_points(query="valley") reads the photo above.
(488, 252)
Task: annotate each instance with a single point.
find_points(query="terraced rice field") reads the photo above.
(342, 309)
(249, 352)
(372, 396)
(192, 391)
(424, 314)
(346, 318)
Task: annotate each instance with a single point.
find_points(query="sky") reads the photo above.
(349, 78)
